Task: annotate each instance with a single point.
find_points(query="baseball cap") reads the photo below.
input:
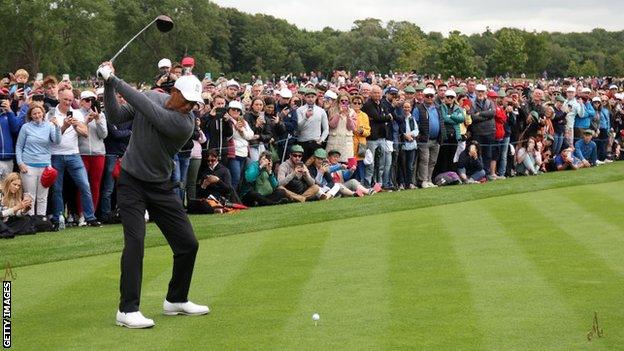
(393, 90)
(619, 96)
(330, 94)
(450, 93)
(320, 153)
(410, 90)
(191, 88)
(480, 87)
(296, 148)
(285, 93)
(571, 89)
(492, 94)
(188, 61)
(560, 98)
(586, 90)
(236, 105)
(99, 91)
(164, 63)
(429, 91)
(596, 99)
(588, 132)
(231, 83)
(87, 94)
(613, 86)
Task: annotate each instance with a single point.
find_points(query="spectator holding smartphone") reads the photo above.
(9, 126)
(342, 121)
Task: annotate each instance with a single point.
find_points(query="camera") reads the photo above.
(96, 106)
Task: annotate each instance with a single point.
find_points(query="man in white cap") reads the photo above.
(483, 127)
(162, 124)
(165, 78)
(231, 90)
(572, 109)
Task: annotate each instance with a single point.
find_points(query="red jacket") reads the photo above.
(500, 118)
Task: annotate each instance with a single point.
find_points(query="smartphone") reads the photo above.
(70, 114)
(39, 77)
(4, 97)
(208, 75)
(66, 77)
(38, 97)
(21, 86)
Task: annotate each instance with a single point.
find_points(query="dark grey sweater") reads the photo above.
(157, 133)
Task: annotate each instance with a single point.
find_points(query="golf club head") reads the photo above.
(164, 23)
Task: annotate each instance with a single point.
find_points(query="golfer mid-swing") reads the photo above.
(162, 124)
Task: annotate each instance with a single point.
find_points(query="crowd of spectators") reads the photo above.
(299, 138)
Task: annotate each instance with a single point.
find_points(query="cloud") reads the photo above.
(443, 16)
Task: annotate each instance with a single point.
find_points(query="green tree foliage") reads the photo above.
(74, 36)
(456, 57)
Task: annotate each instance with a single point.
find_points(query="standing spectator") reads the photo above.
(33, 155)
(573, 109)
(604, 126)
(9, 126)
(559, 125)
(66, 157)
(312, 125)
(378, 117)
(453, 116)
(408, 129)
(261, 127)
(217, 128)
(431, 130)
(361, 132)
(500, 121)
(583, 122)
(241, 135)
(231, 90)
(342, 121)
(195, 162)
(483, 125)
(91, 147)
(50, 89)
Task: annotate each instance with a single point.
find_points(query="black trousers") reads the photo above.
(134, 196)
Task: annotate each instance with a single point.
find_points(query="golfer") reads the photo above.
(161, 126)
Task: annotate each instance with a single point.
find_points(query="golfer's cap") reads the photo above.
(164, 63)
(613, 86)
(296, 148)
(585, 90)
(188, 62)
(571, 89)
(320, 153)
(285, 93)
(232, 83)
(331, 95)
(236, 105)
(87, 94)
(480, 87)
(450, 93)
(596, 99)
(191, 88)
(429, 91)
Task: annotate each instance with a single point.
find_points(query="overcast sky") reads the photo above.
(444, 16)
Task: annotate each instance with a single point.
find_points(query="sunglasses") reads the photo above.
(429, 95)
(236, 110)
(449, 97)
(357, 103)
(296, 155)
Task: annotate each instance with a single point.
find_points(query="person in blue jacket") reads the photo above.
(583, 122)
(10, 125)
(585, 149)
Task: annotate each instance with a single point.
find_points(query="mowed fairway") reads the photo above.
(513, 272)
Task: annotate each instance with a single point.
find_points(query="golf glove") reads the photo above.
(105, 72)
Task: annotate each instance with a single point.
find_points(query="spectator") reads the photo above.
(216, 180)
(378, 117)
(312, 125)
(9, 126)
(231, 90)
(361, 132)
(195, 162)
(604, 126)
(15, 205)
(559, 124)
(573, 109)
(319, 170)
(408, 129)
(241, 135)
(261, 187)
(566, 160)
(343, 175)
(585, 149)
(528, 159)
(431, 131)
(342, 121)
(91, 147)
(500, 120)
(470, 164)
(483, 126)
(583, 122)
(50, 89)
(66, 157)
(261, 127)
(33, 155)
(294, 176)
(217, 128)
(453, 117)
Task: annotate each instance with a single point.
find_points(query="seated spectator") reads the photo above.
(585, 149)
(33, 155)
(319, 170)
(470, 164)
(260, 187)
(566, 160)
(15, 205)
(528, 158)
(294, 176)
(342, 174)
(216, 180)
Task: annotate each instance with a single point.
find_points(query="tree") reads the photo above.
(509, 55)
(456, 57)
(536, 46)
(410, 44)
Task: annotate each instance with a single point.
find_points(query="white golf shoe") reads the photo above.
(188, 308)
(133, 320)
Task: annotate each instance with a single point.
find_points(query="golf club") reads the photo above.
(163, 23)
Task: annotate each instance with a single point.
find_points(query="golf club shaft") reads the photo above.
(131, 40)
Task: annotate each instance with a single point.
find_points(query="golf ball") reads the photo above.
(316, 317)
